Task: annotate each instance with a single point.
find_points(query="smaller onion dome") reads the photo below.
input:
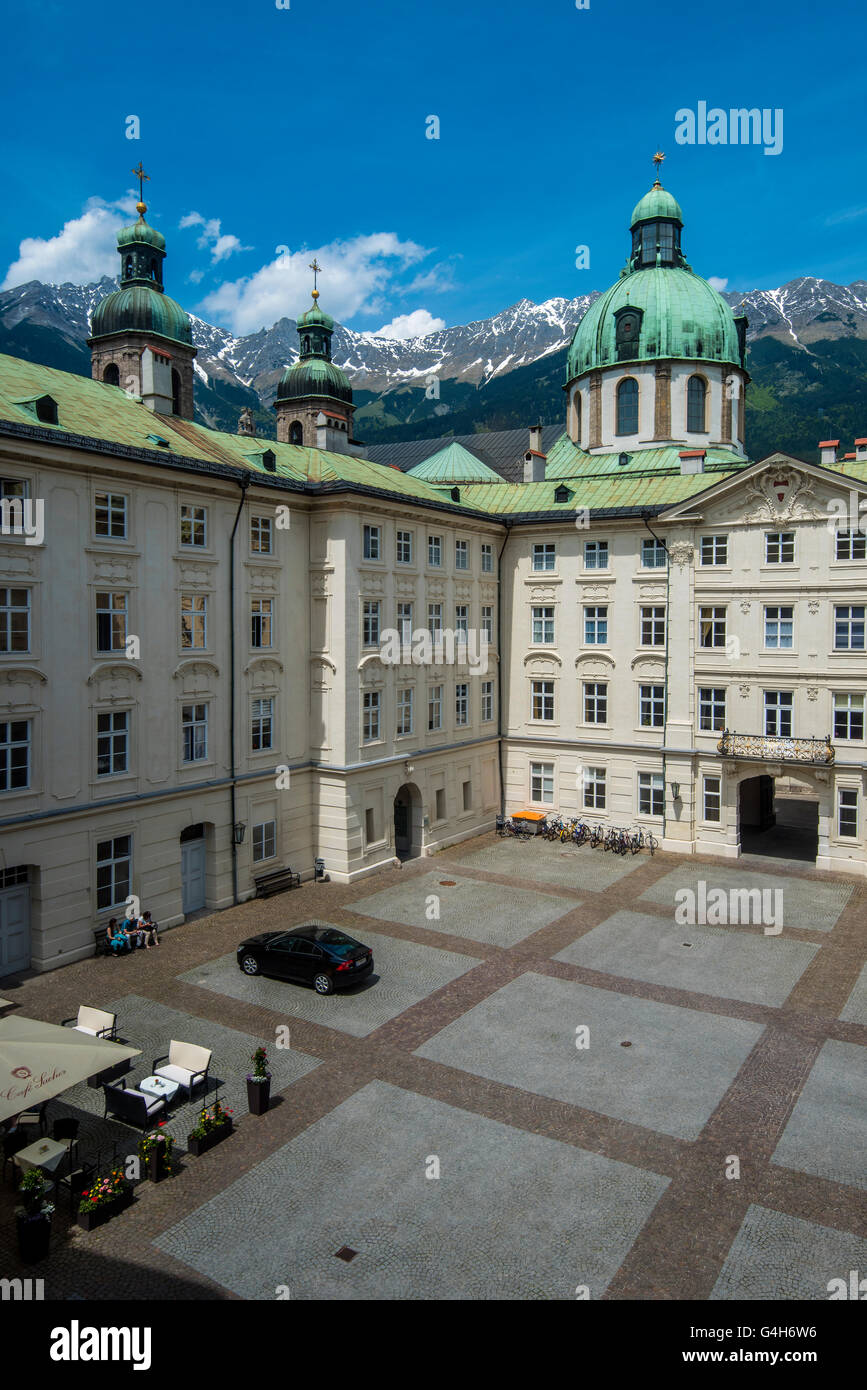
(314, 376)
(656, 203)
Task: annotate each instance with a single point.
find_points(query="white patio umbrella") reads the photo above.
(39, 1060)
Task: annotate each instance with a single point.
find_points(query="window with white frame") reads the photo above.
(262, 725)
(848, 716)
(435, 551)
(779, 547)
(462, 555)
(712, 798)
(404, 622)
(594, 788)
(194, 525)
(851, 545)
(487, 558)
(651, 794)
(652, 554)
(109, 515)
(488, 622)
(596, 625)
(264, 840)
(596, 555)
(462, 618)
(712, 627)
(714, 550)
(779, 626)
(462, 704)
(404, 711)
(14, 620)
(849, 628)
(596, 702)
(370, 716)
(434, 620)
(112, 743)
(543, 626)
(404, 547)
(14, 755)
(543, 700)
(370, 617)
(111, 618)
(194, 726)
(369, 825)
(261, 535)
(542, 783)
(544, 556)
(194, 621)
(847, 812)
(487, 701)
(712, 708)
(651, 706)
(113, 871)
(434, 708)
(371, 537)
(261, 620)
(778, 713)
(653, 627)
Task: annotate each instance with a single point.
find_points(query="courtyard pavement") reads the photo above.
(548, 1086)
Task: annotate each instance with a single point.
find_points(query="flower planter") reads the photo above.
(97, 1216)
(258, 1095)
(34, 1235)
(197, 1147)
(156, 1168)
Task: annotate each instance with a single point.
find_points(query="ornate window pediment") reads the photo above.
(19, 686)
(595, 663)
(197, 677)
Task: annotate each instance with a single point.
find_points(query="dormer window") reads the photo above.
(627, 332)
(42, 408)
(269, 461)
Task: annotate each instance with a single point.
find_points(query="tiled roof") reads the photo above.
(501, 450)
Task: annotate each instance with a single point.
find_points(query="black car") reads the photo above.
(322, 956)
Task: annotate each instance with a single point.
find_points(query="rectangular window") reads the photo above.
(109, 515)
(467, 790)
(712, 708)
(264, 840)
(779, 626)
(712, 626)
(487, 701)
(261, 615)
(488, 622)
(113, 871)
(404, 547)
(440, 803)
(14, 620)
(434, 619)
(462, 704)
(261, 535)
(544, 556)
(778, 713)
(653, 627)
(435, 551)
(594, 788)
(404, 711)
(542, 783)
(847, 812)
(849, 628)
(543, 700)
(543, 625)
(596, 555)
(369, 825)
(714, 550)
(712, 798)
(462, 555)
(370, 721)
(487, 558)
(595, 702)
(849, 716)
(194, 724)
(596, 625)
(112, 743)
(12, 488)
(851, 545)
(194, 620)
(435, 708)
(462, 618)
(371, 540)
(370, 616)
(779, 547)
(404, 622)
(262, 725)
(194, 525)
(651, 706)
(652, 554)
(14, 755)
(110, 622)
(651, 794)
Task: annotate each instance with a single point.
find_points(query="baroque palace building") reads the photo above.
(221, 655)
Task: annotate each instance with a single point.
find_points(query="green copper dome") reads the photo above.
(314, 317)
(145, 309)
(656, 203)
(140, 233)
(314, 376)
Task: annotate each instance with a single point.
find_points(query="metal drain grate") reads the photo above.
(626, 1044)
(345, 1253)
(447, 882)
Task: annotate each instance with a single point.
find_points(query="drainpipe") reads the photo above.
(243, 484)
(660, 541)
(500, 669)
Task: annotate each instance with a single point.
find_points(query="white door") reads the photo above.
(193, 875)
(14, 929)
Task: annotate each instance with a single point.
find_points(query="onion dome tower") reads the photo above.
(659, 358)
(140, 339)
(314, 398)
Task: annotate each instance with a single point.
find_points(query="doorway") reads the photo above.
(408, 822)
(784, 826)
(193, 865)
(14, 920)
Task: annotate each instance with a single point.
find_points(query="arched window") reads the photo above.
(111, 375)
(154, 275)
(696, 402)
(306, 344)
(296, 432)
(576, 407)
(128, 268)
(176, 391)
(627, 406)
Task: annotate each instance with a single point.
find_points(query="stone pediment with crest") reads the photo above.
(779, 490)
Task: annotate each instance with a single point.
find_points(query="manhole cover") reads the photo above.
(447, 882)
(345, 1253)
(626, 1044)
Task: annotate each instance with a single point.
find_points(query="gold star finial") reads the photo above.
(316, 268)
(141, 206)
(657, 160)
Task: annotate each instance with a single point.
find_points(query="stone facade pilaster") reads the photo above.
(662, 402)
(595, 441)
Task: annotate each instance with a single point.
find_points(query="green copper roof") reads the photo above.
(145, 309)
(140, 233)
(656, 203)
(454, 464)
(314, 376)
(314, 317)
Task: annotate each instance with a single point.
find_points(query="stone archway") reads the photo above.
(408, 821)
(778, 815)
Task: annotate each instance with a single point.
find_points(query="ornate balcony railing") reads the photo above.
(773, 749)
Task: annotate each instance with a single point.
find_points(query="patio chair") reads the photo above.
(65, 1131)
(34, 1118)
(186, 1063)
(76, 1182)
(96, 1022)
(132, 1107)
(13, 1142)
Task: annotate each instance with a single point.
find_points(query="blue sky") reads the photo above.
(304, 128)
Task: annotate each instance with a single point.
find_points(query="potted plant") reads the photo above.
(33, 1217)
(259, 1083)
(215, 1124)
(155, 1152)
(105, 1197)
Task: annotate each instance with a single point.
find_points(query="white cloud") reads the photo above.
(716, 282)
(220, 244)
(83, 251)
(415, 325)
(356, 274)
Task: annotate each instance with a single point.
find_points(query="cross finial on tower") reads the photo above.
(315, 267)
(657, 160)
(141, 207)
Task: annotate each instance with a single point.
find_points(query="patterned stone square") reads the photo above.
(776, 1256)
(806, 903)
(550, 864)
(511, 1215)
(404, 973)
(855, 1008)
(670, 1078)
(827, 1130)
(467, 907)
(726, 964)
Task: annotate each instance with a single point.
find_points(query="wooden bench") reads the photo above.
(100, 942)
(276, 882)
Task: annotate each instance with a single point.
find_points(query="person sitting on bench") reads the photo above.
(117, 937)
(149, 929)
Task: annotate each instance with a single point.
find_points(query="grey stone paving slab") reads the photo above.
(777, 1256)
(726, 964)
(550, 864)
(151, 1026)
(671, 1077)
(467, 907)
(512, 1215)
(805, 902)
(404, 973)
(827, 1130)
(855, 1008)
